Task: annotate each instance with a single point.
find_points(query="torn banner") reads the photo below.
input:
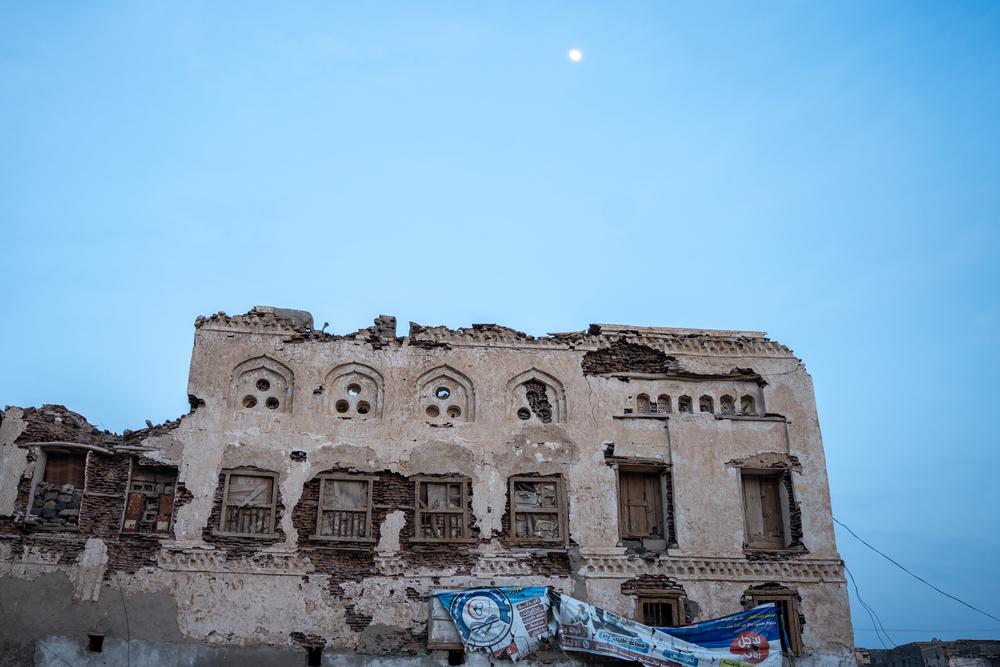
(747, 639)
(507, 620)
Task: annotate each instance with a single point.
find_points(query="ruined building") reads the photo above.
(323, 486)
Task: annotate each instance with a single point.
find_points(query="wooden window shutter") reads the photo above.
(165, 509)
(754, 512)
(765, 521)
(134, 508)
(770, 500)
(654, 506)
(634, 504)
(641, 505)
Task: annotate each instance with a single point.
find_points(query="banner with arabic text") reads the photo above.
(748, 639)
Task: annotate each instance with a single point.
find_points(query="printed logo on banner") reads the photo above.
(484, 617)
(751, 645)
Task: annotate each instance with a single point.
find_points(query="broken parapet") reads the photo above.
(301, 318)
(263, 317)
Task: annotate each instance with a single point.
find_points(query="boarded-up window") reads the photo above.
(150, 503)
(660, 612)
(788, 613)
(442, 510)
(345, 508)
(764, 519)
(57, 496)
(65, 468)
(640, 503)
(441, 630)
(538, 509)
(248, 503)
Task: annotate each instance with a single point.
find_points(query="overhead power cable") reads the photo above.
(876, 621)
(917, 577)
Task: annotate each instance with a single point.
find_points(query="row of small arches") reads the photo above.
(444, 393)
(727, 404)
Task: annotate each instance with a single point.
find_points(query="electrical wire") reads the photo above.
(876, 621)
(917, 577)
(931, 630)
(128, 627)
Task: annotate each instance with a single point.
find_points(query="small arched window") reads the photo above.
(642, 405)
(663, 403)
(748, 406)
(727, 404)
(446, 395)
(705, 404)
(263, 384)
(684, 404)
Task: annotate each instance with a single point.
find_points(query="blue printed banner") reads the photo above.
(748, 639)
(512, 621)
(504, 621)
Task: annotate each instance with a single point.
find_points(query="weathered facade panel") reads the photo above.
(323, 486)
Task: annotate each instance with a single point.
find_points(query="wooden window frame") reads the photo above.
(560, 511)
(778, 475)
(38, 477)
(166, 532)
(439, 644)
(793, 625)
(464, 511)
(661, 472)
(271, 533)
(659, 597)
(370, 479)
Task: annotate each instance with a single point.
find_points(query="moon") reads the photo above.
(576, 55)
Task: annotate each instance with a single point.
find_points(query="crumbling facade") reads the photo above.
(323, 486)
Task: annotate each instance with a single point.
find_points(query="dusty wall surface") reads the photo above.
(288, 590)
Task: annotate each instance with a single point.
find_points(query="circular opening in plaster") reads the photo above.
(342, 406)
(524, 413)
(454, 411)
(432, 411)
(364, 408)
(353, 389)
(442, 392)
(263, 384)
(249, 401)
(271, 403)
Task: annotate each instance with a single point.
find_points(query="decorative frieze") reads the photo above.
(715, 569)
(206, 560)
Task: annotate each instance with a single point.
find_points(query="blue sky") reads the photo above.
(827, 172)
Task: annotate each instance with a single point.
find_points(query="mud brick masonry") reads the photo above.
(323, 486)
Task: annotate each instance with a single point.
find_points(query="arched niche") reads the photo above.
(445, 395)
(263, 384)
(535, 395)
(354, 390)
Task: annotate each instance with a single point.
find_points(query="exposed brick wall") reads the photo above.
(652, 582)
(55, 423)
(625, 357)
(794, 512)
(668, 507)
(346, 561)
(104, 497)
